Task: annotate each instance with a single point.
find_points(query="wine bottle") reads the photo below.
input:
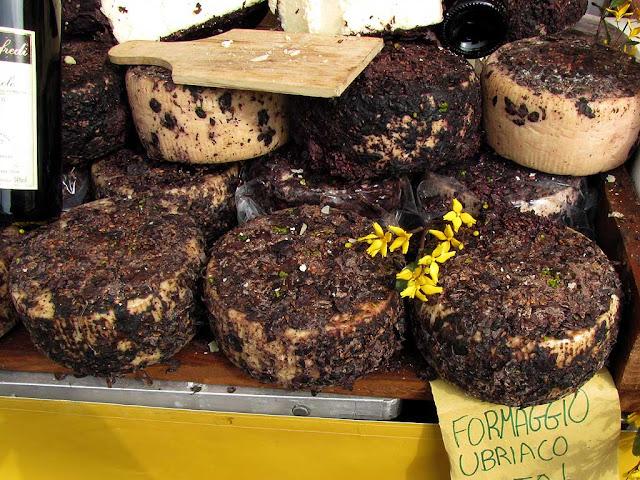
(474, 28)
(30, 160)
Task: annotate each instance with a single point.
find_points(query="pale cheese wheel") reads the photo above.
(199, 125)
(562, 104)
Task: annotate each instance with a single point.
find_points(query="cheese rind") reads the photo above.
(199, 125)
(348, 17)
(549, 119)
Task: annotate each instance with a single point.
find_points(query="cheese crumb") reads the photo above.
(69, 60)
(611, 179)
(326, 209)
(261, 58)
(616, 215)
(303, 268)
(291, 53)
(303, 229)
(227, 43)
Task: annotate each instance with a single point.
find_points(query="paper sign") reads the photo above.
(574, 438)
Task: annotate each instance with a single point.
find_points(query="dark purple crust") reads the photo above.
(186, 186)
(249, 17)
(93, 261)
(420, 81)
(573, 66)
(277, 183)
(11, 237)
(488, 177)
(513, 280)
(337, 280)
(83, 18)
(541, 17)
(95, 113)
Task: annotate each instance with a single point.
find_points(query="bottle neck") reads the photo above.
(474, 28)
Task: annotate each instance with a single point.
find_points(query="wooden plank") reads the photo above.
(262, 60)
(195, 363)
(618, 227)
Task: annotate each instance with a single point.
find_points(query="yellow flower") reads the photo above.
(457, 217)
(621, 11)
(634, 418)
(401, 240)
(419, 284)
(633, 32)
(378, 241)
(632, 474)
(630, 49)
(439, 255)
(447, 237)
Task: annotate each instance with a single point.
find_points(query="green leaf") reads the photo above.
(636, 445)
(616, 3)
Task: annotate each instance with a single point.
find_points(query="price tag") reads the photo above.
(574, 438)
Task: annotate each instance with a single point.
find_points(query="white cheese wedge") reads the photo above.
(198, 125)
(155, 19)
(348, 17)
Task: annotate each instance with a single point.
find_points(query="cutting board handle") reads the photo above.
(146, 52)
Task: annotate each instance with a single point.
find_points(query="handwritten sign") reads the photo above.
(574, 438)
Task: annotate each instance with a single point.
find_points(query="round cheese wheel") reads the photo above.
(205, 192)
(186, 124)
(529, 311)
(95, 117)
(291, 304)
(415, 107)
(562, 105)
(110, 287)
(11, 237)
(542, 17)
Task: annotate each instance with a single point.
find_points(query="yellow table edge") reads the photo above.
(57, 439)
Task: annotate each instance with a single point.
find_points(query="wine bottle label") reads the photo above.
(18, 110)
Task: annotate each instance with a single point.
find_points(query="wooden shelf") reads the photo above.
(619, 235)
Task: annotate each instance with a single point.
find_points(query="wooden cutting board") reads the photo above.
(263, 60)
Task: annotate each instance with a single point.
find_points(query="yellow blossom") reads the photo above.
(457, 217)
(634, 418)
(630, 49)
(633, 32)
(439, 255)
(378, 241)
(621, 11)
(401, 240)
(447, 237)
(419, 284)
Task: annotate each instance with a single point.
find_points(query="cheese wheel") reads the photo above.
(529, 311)
(349, 17)
(415, 107)
(187, 124)
(95, 116)
(110, 287)
(11, 237)
(205, 192)
(290, 304)
(562, 105)
(542, 17)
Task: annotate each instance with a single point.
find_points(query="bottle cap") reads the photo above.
(475, 28)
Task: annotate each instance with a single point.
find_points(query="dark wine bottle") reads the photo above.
(30, 160)
(474, 28)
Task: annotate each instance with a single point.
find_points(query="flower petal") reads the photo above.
(405, 246)
(378, 230)
(397, 243)
(457, 223)
(467, 219)
(398, 231)
(434, 270)
(450, 216)
(404, 274)
(420, 296)
(457, 206)
(426, 260)
(438, 234)
(448, 232)
(431, 290)
(369, 238)
(410, 291)
(444, 257)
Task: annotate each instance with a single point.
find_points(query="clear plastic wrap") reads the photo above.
(279, 181)
(490, 179)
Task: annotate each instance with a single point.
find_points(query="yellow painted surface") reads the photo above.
(43, 439)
